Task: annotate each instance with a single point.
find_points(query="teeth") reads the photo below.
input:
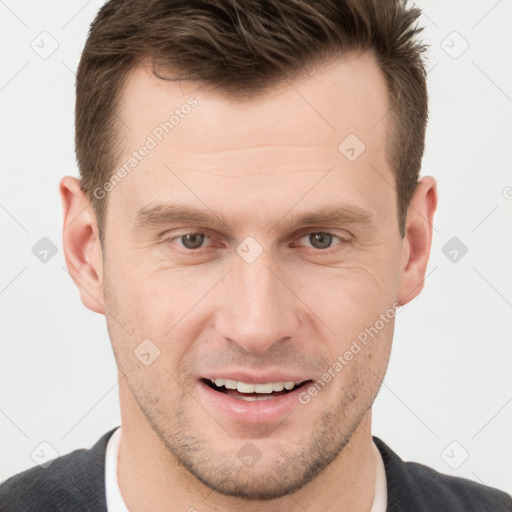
(250, 398)
(264, 388)
(229, 384)
(244, 387)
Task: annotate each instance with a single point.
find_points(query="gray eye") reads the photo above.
(192, 240)
(320, 240)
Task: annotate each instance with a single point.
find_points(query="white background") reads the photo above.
(450, 373)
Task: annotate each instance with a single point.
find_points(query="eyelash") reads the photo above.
(209, 234)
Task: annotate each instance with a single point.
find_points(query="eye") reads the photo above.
(321, 240)
(191, 241)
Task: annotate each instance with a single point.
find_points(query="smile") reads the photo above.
(251, 392)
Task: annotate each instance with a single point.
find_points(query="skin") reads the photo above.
(296, 308)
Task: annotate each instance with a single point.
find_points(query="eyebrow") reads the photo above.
(172, 213)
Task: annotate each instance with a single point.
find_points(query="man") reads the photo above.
(249, 207)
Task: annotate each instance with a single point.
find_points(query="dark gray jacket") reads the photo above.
(76, 483)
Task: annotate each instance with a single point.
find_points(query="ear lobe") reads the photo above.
(82, 248)
(418, 239)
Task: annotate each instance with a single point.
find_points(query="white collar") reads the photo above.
(381, 492)
(115, 501)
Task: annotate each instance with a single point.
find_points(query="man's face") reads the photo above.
(257, 299)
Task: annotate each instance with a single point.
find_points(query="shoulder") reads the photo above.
(413, 486)
(75, 481)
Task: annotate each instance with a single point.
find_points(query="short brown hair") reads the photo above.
(243, 48)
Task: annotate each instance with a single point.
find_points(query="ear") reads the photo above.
(82, 247)
(418, 239)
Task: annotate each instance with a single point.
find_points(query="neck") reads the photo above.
(150, 478)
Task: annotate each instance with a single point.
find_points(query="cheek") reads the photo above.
(159, 306)
(351, 298)
(140, 293)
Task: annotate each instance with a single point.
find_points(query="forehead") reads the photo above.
(282, 141)
(347, 95)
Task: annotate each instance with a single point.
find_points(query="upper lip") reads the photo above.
(260, 378)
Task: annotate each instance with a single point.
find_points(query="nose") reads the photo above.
(259, 309)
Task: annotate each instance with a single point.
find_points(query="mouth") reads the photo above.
(251, 392)
(268, 398)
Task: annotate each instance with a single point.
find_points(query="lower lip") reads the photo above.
(258, 411)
